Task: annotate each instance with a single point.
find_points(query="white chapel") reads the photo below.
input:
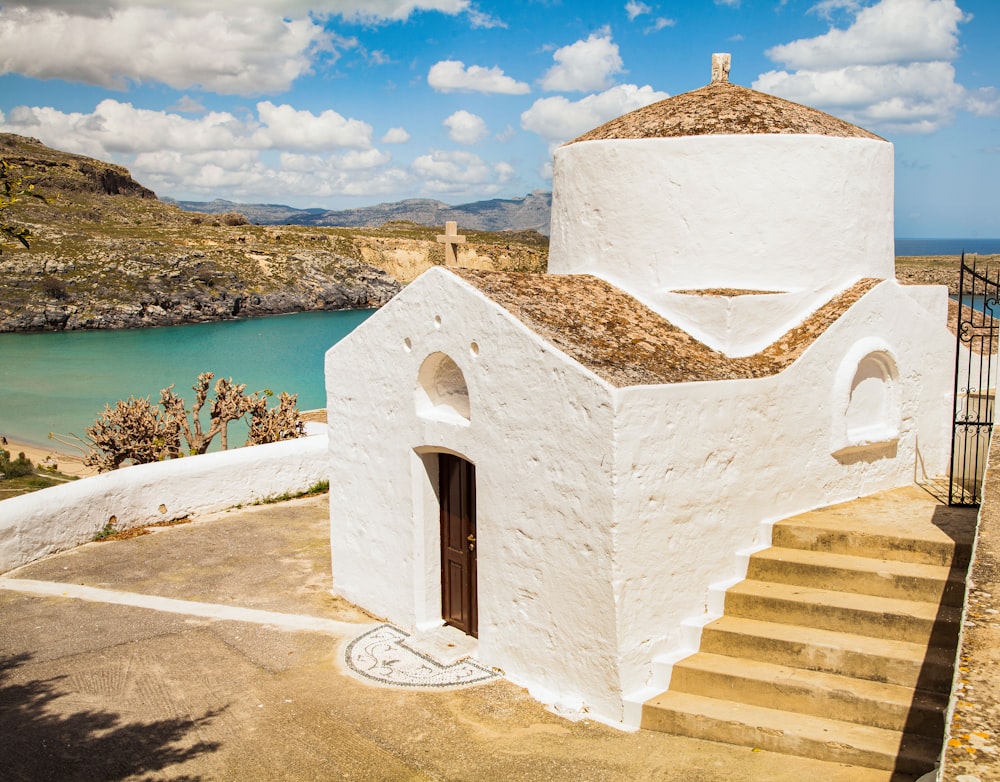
(562, 464)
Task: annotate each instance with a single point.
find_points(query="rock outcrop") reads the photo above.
(107, 253)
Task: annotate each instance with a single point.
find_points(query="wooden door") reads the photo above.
(458, 543)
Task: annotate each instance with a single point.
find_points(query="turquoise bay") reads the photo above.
(59, 382)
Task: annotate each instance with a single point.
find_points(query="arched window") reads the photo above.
(870, 404)
(867, 411)
(442, 393)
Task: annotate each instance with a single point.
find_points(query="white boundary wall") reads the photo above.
(43, 522)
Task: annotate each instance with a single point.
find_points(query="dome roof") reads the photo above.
(722, 108)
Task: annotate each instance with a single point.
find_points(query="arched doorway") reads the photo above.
(457, 493)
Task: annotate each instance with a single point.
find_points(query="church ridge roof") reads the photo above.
(625, 343)
(723, 108)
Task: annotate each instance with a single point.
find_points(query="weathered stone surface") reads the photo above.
(972, 753)
(625, 342)
(723, 108)
(108, 294)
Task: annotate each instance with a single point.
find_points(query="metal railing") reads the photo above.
(975, 380)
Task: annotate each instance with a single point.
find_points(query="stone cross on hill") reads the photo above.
(450, 239)
(721, 64)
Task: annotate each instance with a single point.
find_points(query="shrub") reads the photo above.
(54, 288)
(234, 218)
(16, 468)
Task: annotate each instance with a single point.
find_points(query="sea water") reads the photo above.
(947, 246)
(60, 381)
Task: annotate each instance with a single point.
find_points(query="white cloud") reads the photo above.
(243, 175)
(218, 152)
(504, 171)
(506, 134)
(459, 173)
(730, 3)
(984, 102)
(916, 97)
(369, 10)
(395, 136)
(890, 69)
(287, 128)
(246, 53)
(634, 9)
(228, 46)
(452, 76)
(465, 127)
(827, 8)
(115, 127)
(890, 31)
(354, 160)
(557, 119)
(484, 21)
(661, 23)
(584, 65)
(188, 105)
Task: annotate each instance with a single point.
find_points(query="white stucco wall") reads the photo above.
(606, 514)
(540, 435)
(701, 468)
(740, 325)
(761, 212)
(43, 522)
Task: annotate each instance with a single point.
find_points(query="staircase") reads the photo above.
(840, 643)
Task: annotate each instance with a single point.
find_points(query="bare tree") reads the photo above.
(269, 425)
(136, 431)
(131, 432)
(230, 404)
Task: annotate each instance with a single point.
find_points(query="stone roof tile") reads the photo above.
(627, 344)
(723, 108)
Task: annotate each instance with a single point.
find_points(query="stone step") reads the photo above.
(863, 575)
(801, 691)
(885, 526)
(905, 620)
(848, 654)
(805, 735)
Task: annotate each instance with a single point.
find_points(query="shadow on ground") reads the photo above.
(39, 744)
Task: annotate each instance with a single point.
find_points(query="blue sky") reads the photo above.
(341, 103)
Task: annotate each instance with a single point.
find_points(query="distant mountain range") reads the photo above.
(497, 214)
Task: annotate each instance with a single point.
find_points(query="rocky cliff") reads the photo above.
(108, 254)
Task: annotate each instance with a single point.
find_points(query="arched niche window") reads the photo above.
(867, 410)
(442, 393)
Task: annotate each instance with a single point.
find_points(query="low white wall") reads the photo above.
(43, 522)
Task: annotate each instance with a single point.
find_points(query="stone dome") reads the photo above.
(722, 108)
(725, 188)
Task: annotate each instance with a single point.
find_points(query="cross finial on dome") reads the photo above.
(720, 68)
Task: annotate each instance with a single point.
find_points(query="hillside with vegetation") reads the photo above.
(528, 213)
(107, 253)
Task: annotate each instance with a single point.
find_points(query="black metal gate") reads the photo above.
(975, 382)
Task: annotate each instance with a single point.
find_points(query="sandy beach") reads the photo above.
(67, 463)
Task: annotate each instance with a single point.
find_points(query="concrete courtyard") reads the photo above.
(137, 659)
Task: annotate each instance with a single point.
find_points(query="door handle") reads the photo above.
(472, 542)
